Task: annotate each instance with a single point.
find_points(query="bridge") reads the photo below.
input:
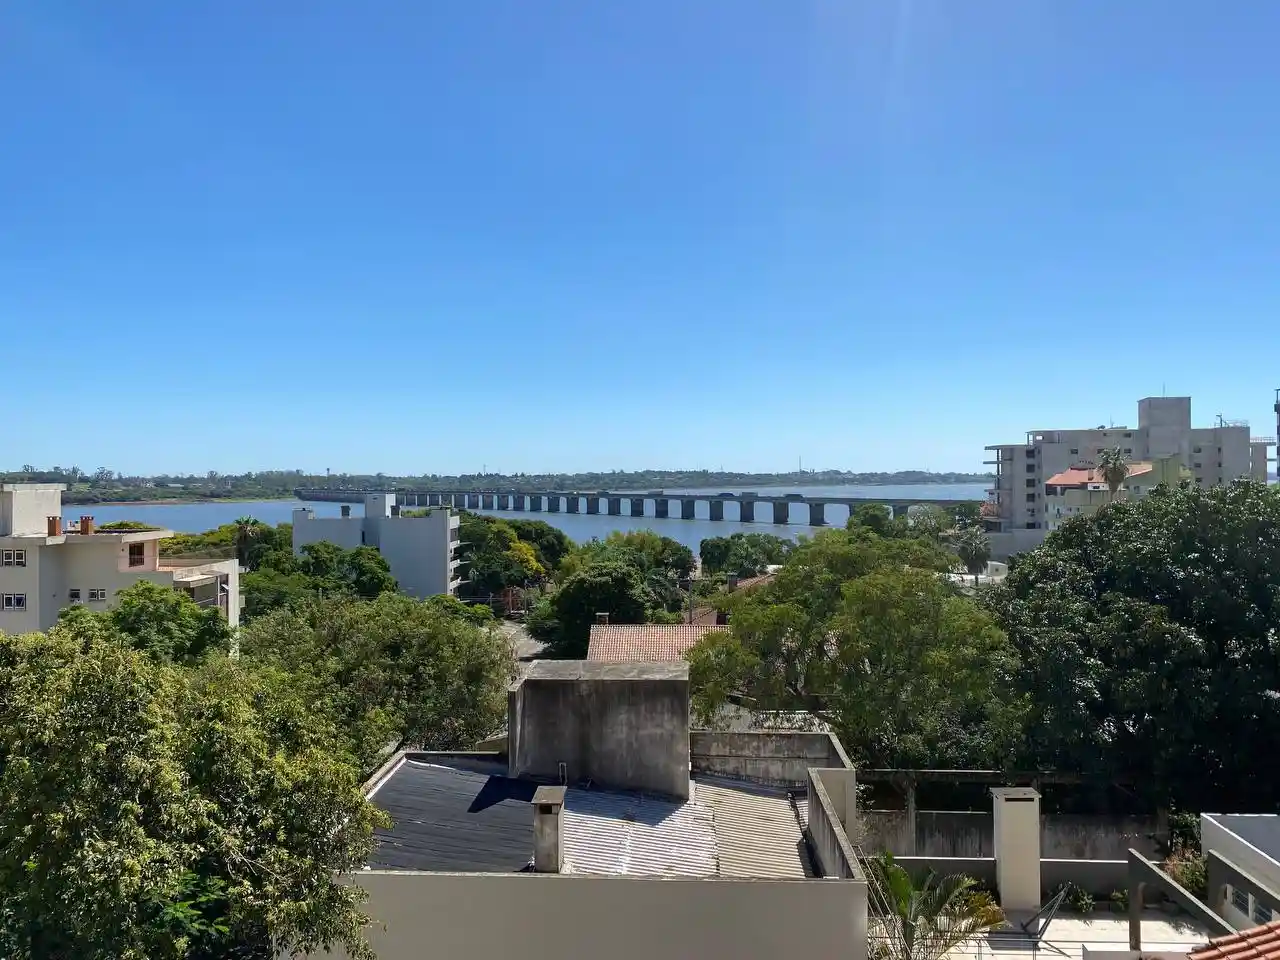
(573, 501)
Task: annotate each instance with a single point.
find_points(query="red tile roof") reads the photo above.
(1256, 943)
(644, 641)
(1079, 476)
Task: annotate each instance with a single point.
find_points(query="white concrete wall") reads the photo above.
(25, 508)
(1215, 837)
(554, 917)
(345, 532)
(24, 580)
(418, 551)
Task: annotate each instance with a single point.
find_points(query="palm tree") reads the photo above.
(248, 530)
(927, 921)
(1113, 467)
(974, 550)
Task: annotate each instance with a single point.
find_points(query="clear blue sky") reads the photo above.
(428, 235)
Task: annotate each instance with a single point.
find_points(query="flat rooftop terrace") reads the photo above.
(469, 816)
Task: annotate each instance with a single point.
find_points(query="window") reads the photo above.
(7, 558)
(74, 594)
(1196, 450)
(1031, 482)
(1128, 435)
(15, 601)
(1031, 498)
(137, 554)
(97, 593)
(13, 558)
(1261, 912)
(1196, 464)
(1074, 451)
(1031, 524)
(1128, 449)
(1240, 900)
(1031, 468)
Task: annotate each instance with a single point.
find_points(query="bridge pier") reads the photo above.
(553, 504)
(486, 501)
(687, 509)
(817, 514)
(717, 509)
(535, 502)
(660, 505)
(781, 511)
(899, 510)
(746, 511)
(615, 506)
(637, 506)
(473, 501)
(593, 504)
(573, 504)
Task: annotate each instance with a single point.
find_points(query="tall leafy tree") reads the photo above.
(1146, 635)
(161, 622)
(862, 633)
(614, 587)
(974, 550)
(154, 811)
(391, 668)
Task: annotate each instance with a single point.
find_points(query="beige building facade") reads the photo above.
(1081, 491)
(1017, 518)
(46, 566)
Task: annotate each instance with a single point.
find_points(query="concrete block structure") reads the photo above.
(419, 550)
(46, 566)
(692, 848)
(1250, 841)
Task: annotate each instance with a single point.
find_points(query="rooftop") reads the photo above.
(1079, 476)
(1260, 830)
(1257, 943)
(467, 815)
(613, 643)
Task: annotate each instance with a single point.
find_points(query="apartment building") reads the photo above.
(45, 566)
(1214, 455)
(419, 550)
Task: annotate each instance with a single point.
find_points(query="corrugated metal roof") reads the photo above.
(627, 833)
(757, 833)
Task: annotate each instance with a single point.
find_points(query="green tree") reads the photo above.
(161, 622)
(367, 572)
(862, 633)
(153, 811)
(974, 550)
(1113, 467)
(612, 587)
(550, 544)
(928, 920)
(1147, 649)
(391, 667)
(267, 589)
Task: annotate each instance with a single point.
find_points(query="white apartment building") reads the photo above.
(1214, 455)
(419, 550)
(44, 567)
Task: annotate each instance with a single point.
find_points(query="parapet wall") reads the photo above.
(779, 758)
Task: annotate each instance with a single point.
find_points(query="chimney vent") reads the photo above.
(346, 509)
(548, 835)
(54, 526)
(86, 526)
(602, 618)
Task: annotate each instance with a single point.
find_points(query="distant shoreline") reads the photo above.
(173, 502)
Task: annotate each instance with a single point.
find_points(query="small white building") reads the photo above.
(44, 567)
(419, 550)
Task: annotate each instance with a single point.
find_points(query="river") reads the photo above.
(198, 517)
